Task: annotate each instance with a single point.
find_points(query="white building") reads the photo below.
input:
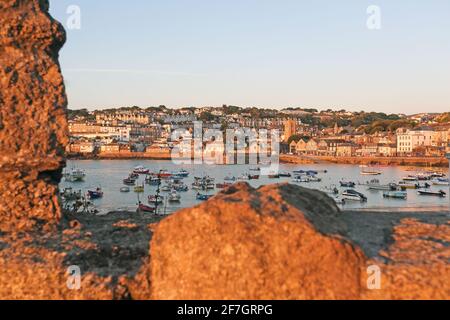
(409, 140)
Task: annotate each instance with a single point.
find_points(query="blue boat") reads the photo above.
(203, 197)
(96, 194)
(180, 174)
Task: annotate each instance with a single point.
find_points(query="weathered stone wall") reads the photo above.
(33, 128)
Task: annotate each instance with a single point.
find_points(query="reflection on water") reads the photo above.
(109, 174)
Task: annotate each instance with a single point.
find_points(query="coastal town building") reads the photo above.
(123, 116)
(290, 129)
(409, 140)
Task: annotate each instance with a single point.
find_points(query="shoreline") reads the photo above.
(292, 159)
(381, 161)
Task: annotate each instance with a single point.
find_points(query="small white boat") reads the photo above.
(174, 197)
(396, 195)
(441, 182)
(410, 178)
(154, 199)
(375, 185)
(166, 188)
(125, 189)
(367, 171)
(75, 175)
(244, 177)
(314, 179)
(301, 179)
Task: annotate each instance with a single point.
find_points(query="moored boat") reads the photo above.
(285, 175)
(141, 170)
(144, 208)
(368, 171)
(440, 182)
(375, 185)
(301, 179)
(68, 194)
(125, 189)
(155, 199)
(139, 189)
(75, 175)
(354, 195)
(223, 185)
(396, 195)
(174, 197)
(95, 194)
(440, 193)
(129, 182)
(182, 173)
(203, 197)
(181, 188)
(347, 184)
(152, 181)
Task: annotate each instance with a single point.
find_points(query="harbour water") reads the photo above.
(109, 175)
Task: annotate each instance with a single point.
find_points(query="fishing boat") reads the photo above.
(203, 197)
(347, 184)
(285, 175)
(144, 208)
(301, 179)
(223, 185)
(274, 176)
(166, 188)
(141, 170)
(163, 174)
(68, 194)
(75, 175)
(253, 177)
(407, 185)
(354, 195)
(134, 176)
(174, 197)
(125, 189)
(181, 188)
(396, 195)
(440, 193)
(182, 173)
(129, 182)
(368, 171)
(244, 177)
(423, 176)
(375, 185)
(155, 199)
(440, 182)
(410, 178)
(436, 174)
(229, 178)
(95, 194)
(314, 179)
(152, 181)
(139, 189)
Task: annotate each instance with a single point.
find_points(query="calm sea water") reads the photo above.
(109, 175)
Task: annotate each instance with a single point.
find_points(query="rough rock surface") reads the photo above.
(270, 243)
(32, 114)
(276, 242)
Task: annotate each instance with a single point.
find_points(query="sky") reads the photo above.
(258, 53)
